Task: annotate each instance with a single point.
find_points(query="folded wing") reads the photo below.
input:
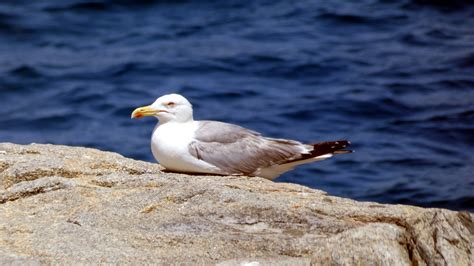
(236, 150)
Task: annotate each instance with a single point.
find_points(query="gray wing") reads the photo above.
(236, 150)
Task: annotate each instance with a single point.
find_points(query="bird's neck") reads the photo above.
(174, 121)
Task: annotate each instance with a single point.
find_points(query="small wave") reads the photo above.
(441, 34)
(303, 115)
(5, 17)
(122, 111)
(438, 148)
(104, 5)
(455, 83)
(346, 18)
(444, 5)
(11, 29)
(467, 61)
(457, 203)
(459, 117)
(82, 6)
(229, 95)
(25, 71)
(267, 59)
(414, 39)
(295, 70)
(375, 109)
(126, 69)
(407, 162)
(45, 123)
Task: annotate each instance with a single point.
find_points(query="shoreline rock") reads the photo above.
(61, 204)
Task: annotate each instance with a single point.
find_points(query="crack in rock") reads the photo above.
(28, 189)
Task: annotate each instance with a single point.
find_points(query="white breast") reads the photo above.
(169, 145)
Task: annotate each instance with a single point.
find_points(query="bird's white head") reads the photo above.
(167, 108)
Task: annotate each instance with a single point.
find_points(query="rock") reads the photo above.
(62, 204)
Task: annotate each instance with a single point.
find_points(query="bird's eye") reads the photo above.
(171, 104)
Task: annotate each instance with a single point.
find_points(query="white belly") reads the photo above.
(169, 145)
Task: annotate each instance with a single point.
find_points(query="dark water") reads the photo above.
(395, 77)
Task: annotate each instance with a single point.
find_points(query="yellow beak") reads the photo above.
(144, 111)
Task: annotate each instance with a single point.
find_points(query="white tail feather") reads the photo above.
(274, 171)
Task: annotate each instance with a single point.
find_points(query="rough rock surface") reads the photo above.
(63, 204)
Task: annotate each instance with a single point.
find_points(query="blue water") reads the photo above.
(394, 77)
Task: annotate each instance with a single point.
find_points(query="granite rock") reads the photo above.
(61, 204)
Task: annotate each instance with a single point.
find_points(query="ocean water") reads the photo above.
(394, 77)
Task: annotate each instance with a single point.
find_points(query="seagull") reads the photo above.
(181, 144)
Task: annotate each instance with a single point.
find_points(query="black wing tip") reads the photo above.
(343, 144)
(334, 147)
(326, 147)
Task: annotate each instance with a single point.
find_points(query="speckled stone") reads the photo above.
(62, 205)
